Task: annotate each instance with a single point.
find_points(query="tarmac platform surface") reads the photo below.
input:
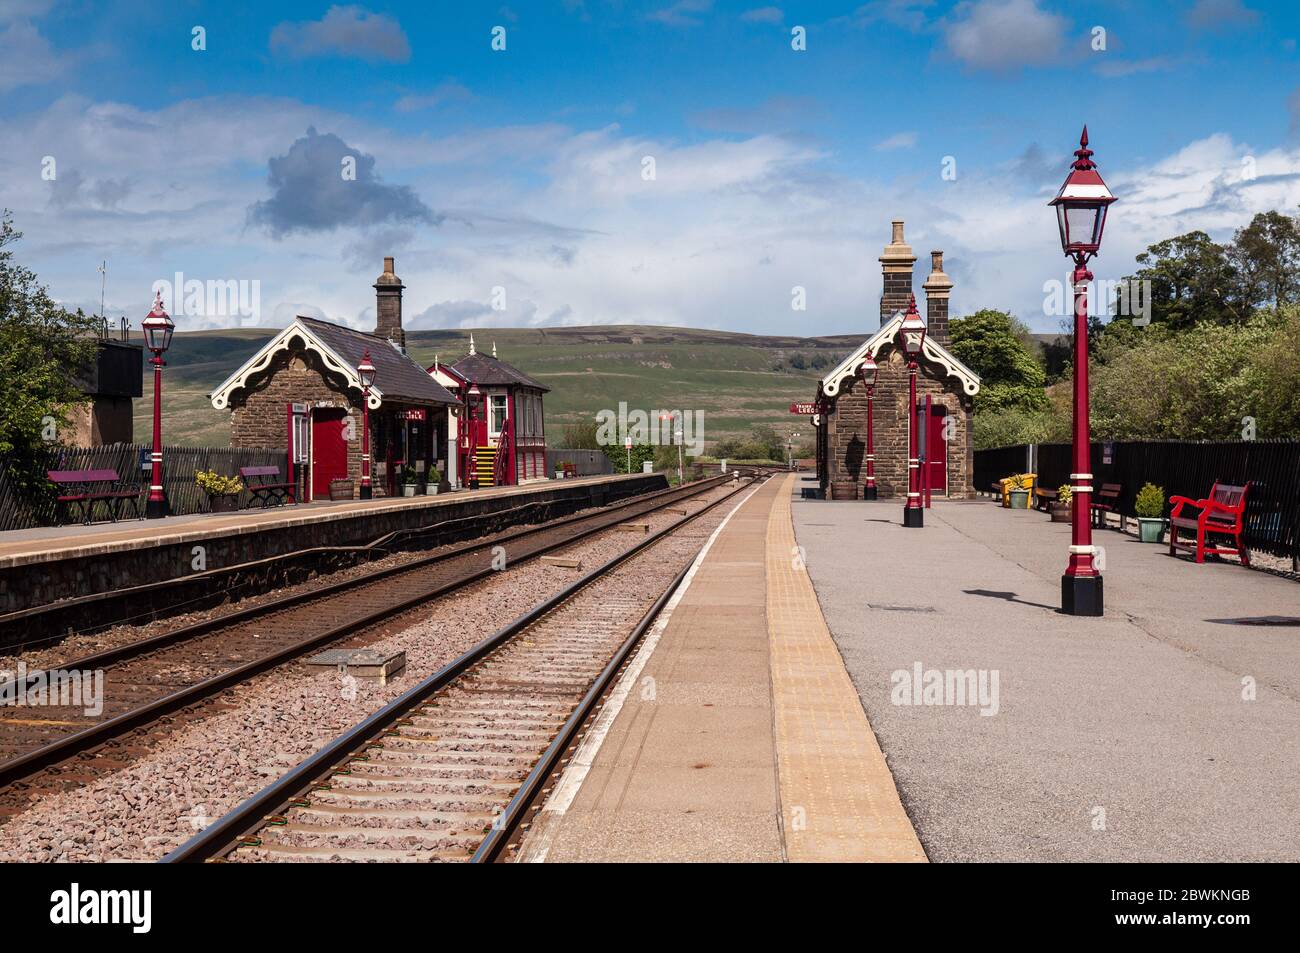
(1163, 731)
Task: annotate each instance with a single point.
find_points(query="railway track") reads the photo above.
(451, 769)
(172, 674)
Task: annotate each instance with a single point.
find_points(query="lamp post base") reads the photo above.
(155, 509)
(870, 492)
(913, 516)
(1081, 595)
(367, 491)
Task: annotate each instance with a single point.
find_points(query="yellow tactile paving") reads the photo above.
(838, 800)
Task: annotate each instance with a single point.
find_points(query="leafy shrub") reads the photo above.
(1150, 503)
(1064, 494)
(217, 484)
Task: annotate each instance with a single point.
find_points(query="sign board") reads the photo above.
(1108, 453)
(417, 414)
(298, 408)
(146, 458)
(806, 408)
(627, 443)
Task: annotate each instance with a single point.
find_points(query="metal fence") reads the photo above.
(19, 510)
(1180, 468)
(588, 462)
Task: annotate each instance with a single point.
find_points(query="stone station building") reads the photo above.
(841, 426)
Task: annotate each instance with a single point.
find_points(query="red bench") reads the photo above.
(266, 487)
(85, 488)
(1105, 501)
(1222, 513)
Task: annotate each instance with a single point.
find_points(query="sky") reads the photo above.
(671, 162)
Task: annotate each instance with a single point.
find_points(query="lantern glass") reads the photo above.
(912, 339)
(1081, 224)
(869, 370)
(158, 334)
(367, 375)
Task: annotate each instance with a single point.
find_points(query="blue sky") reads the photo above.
(522, 169)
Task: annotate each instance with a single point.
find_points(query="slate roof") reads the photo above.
(397, 376)
(482, 369)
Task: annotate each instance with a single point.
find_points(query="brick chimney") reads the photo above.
(896, 262)
(937, 289)
(388, 306)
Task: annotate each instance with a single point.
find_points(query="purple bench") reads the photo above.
(85, 488)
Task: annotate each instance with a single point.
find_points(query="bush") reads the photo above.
(1150, 503)
(1064, 494)
(217, 484)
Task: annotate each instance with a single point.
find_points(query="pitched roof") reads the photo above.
(932, 351)
(397, 376)
(482, 369)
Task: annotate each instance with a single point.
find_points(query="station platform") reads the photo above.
(735, 734)
(1166, 730)
(44, 565)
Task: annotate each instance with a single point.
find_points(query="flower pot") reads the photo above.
(1019, 499)
(408, 489)
(225, 503)
(1060, 512)
(559, 474)
(340, 489)
(1151, 530)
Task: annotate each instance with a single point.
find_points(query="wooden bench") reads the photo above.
(1222, 513)
(1104, 501)
(266, 486)
(1045, 498)
(85, 488)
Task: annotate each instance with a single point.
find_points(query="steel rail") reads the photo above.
(224, 835)
(17, 769)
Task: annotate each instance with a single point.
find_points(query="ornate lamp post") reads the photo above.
(158, 329)
(1081, 206)
(366, 371)
(912, 336)
(869, 370)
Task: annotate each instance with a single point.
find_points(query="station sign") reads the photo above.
(417, 414)
(806, 408)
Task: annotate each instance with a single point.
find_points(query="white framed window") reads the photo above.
(496, 413)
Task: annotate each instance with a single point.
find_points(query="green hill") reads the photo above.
(737, 380)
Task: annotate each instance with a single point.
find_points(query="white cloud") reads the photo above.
(1004, 34)
(26, 57)
(446, 92)
(681, 13)
(344, 31)
(1213, 14)
(763, 15)
(899, 140)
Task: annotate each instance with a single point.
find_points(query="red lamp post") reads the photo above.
(1081, 206)
(366, 371)
(869, 370)
(158, 329)
(912, 335)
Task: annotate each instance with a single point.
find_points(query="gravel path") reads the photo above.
(275, 721)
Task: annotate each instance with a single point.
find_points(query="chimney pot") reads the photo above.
(388, 306)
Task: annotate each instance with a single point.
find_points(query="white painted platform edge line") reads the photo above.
(566, 789)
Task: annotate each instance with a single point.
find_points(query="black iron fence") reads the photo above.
(25, 507)
(1180, 468)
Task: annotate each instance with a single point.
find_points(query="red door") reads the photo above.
(329, 451)
(936, 451)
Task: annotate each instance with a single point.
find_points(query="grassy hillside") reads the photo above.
(728, 376)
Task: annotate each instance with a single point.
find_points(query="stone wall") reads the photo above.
(259, 418)
(847, 429)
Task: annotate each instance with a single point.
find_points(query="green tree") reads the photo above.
(1265, 256)
(44, 349)
(581, 435)
(996, 347)
(1192, 280)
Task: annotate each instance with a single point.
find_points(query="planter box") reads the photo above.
(340, 490)
(1061, 512)
(1151, 530)
(408, 489)
(1019, 499)
(223, 504)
